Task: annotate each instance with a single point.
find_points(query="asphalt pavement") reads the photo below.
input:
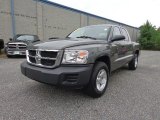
(131, 95)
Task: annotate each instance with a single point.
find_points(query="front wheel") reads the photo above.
(99, 80)
(9, 56)
(132, 65)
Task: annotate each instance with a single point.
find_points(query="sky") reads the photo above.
(131, 12)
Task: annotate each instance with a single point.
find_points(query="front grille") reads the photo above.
(47, 62)
(17, 46)
(32, 59)
(43, 58)
(11, 46)
(32, 52)
(50, 54)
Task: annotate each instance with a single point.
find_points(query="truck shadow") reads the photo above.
(119, 70)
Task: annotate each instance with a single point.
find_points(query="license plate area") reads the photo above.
(16, 52)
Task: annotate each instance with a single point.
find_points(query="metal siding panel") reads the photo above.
(84, 20)
(137, 33)
(40, 21)
(25, 16)
(112, 23)
(95, 21)
(59, 22)
(5, 20)
(130, 31)
(25, 7)
(135, 37)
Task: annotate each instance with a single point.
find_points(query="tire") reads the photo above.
(132, 65)
(9, 56)
(99, 80)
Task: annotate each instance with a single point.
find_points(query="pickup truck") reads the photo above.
(19, 43)
(84, 59)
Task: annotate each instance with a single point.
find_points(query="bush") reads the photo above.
(1, 44)
(149, 37)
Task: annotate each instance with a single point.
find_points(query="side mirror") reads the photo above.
(118, 38)
(10, 39)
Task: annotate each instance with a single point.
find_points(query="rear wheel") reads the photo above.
(99, 80)
(132, 65)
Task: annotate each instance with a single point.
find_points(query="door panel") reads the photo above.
(128, 43)
(119, 50)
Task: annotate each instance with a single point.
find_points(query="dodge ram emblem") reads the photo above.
(17, 46)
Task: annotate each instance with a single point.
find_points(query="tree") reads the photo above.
(149, 37)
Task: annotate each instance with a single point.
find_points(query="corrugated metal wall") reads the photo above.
(25, 16)
(59, 22)
(47, 19)
(5, 19)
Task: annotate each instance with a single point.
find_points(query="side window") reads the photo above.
(116, 31)
(124, 32)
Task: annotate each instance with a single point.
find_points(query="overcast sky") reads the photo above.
(131, 12)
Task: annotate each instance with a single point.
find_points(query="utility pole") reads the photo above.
(13, 18)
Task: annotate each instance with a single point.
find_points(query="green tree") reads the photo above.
(149, 37)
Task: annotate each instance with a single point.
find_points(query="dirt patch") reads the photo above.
(3, 55)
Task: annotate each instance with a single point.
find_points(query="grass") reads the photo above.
(2, 54)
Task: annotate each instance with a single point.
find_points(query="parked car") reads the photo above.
(18, 45)
(84, 59)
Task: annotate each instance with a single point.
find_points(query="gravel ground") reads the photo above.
(131, 95)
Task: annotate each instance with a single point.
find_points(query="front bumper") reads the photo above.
(16, 51)
(71, 76)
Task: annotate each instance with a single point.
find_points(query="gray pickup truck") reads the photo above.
(19, 43)
(84, 59)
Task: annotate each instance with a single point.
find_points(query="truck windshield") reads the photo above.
(25, 38)
(91, 32)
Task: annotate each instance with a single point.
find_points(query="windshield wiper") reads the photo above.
(87, 37)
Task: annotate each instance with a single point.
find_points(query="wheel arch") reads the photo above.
(137, 52)
(105, 59)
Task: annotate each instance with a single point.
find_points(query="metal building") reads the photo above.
(47, 19)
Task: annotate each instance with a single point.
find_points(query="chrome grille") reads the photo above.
(51, 54)
(43, 58)
(32, 52)
(17, 45)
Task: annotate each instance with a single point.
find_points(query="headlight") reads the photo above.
(75, 57)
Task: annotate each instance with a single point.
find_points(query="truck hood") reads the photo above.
(60, 44)
(19, 41)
